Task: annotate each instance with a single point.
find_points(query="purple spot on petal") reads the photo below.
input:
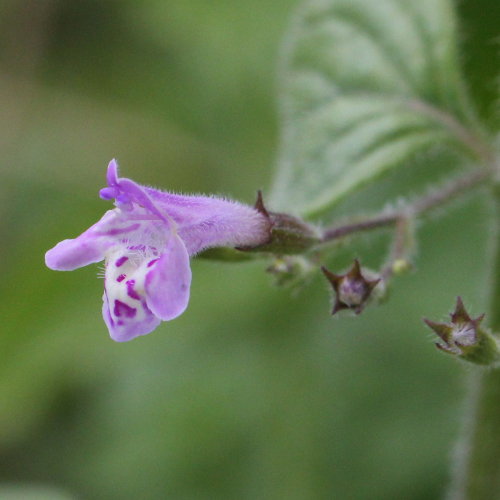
(151, 262)
(121, 278)
(122, 309)
(137, 247)
(121, 261)
(130, 290)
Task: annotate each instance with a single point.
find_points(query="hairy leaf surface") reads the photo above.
(364, 86)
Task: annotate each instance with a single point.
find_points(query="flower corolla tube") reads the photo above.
(146, 242)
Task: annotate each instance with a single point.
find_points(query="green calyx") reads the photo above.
(288, 235)
(464, 338)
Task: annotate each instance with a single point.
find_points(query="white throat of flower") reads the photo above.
(124, 286)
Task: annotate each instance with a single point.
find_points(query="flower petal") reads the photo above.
(111, 191)
(87, 248)
(72, 254)
(125, 310)
(126, 322)
(92, 245)
(167, 284)
(126, 192)
(133, 192)
(112, 173)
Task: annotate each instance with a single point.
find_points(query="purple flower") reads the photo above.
(146, 242)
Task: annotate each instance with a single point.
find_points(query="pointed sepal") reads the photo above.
(352, 289)
(442, 330)
(288, 235)
(291, 271)
(464, 338)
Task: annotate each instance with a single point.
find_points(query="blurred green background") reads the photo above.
(253, 393)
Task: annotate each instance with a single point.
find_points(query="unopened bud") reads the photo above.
(465, 338)
(352, 289)
(401, 266)
(291, 270)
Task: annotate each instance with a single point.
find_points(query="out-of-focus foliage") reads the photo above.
(251, 393)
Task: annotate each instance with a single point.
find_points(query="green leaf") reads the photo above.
(364, 86)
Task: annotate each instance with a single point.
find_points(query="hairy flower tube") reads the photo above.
(146, 242)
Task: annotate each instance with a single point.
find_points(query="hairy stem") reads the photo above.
(375, 222)
(477, 471)
(419, 207)
(450, 191)
(482, 472)
(401, 247)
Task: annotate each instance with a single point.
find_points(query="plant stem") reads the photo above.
(401, 247)
(415, 209)
(477, 472)
(482, 471)
(375, 222)
(448, 192)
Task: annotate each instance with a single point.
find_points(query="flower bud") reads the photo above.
(291, 271)
(401, 266)
(465, 338)
(352, 289)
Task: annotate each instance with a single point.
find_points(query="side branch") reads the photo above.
(450, 191)
(375, 222)
(415, 209)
